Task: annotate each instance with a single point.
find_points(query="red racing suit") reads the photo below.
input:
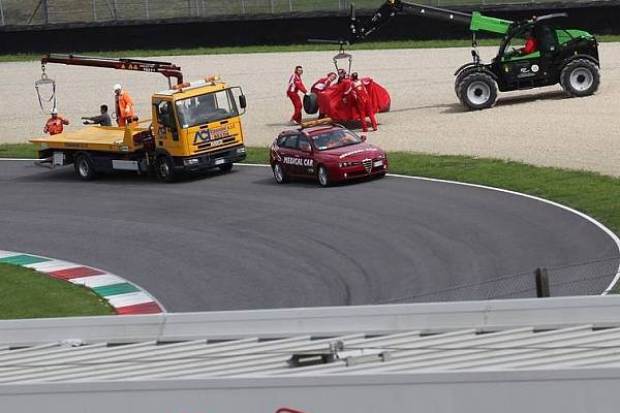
(531, 45)
(320, 85)
(361, 101)
(296, 85)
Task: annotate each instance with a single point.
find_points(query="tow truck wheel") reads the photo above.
(227, 167)
(580, 77)
(84, 167)
(477, 91)
(164, 168)
(279, 174)
(323, 176)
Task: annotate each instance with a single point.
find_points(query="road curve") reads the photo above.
(239, 241)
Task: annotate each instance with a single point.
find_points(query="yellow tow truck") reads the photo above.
(194, 127)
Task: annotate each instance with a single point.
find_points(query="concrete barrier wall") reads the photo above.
(321, 321)
(600, 17)
(565, 391)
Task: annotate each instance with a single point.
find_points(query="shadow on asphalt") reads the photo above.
(115, 178)
(312, 183)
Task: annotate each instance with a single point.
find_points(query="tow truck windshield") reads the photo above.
(212, 107)
(335, 139)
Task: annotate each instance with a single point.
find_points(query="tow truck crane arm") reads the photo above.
(474, 21)
(169, 70)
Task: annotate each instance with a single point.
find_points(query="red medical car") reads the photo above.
(327, 152)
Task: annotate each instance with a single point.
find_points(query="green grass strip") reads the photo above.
(115, 289)
(18, 150)
(309, 47)
(25, 293)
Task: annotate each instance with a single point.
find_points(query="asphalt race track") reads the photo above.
(239, 241)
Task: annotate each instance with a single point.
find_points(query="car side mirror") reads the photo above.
(243, 102)
(363, 137)
(306, 147)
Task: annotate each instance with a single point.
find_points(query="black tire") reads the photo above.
(477, 91)
(381, 175)
(322, 175)
(459, 79)
(311, 104)
(579, 78)
(84, 167)
(279, 174)
(164, 169)
(226, 167)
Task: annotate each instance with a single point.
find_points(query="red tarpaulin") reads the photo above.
(332, 104)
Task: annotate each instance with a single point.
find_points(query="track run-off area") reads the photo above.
(240, 241)
(540, 126)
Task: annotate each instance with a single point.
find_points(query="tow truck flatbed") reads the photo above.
(94, 138)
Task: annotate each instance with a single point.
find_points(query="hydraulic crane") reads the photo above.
(167, 69)
(565, 56)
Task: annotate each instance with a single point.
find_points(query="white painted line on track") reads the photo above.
(129, 299)
(98, 280)
(50, 266)
(5, 254)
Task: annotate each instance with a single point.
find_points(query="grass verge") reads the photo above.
(17, 150)
(589, 192)
(310, 47)
(25, 293)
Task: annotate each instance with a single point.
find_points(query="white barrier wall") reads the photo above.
(518, 392)
(321, 321)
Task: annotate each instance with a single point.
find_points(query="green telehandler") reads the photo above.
(565, 56)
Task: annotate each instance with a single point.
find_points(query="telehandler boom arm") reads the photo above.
(475, 21)
(167, 69)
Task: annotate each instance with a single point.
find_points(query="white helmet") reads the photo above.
(54, 111)
(117, 87)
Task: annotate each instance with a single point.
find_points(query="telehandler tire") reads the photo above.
(581, 77)
(477, 91)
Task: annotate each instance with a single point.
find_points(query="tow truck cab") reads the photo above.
(198, 124)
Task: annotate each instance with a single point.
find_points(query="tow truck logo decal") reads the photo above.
(201, 136)
(289, 160)
(205, 135)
